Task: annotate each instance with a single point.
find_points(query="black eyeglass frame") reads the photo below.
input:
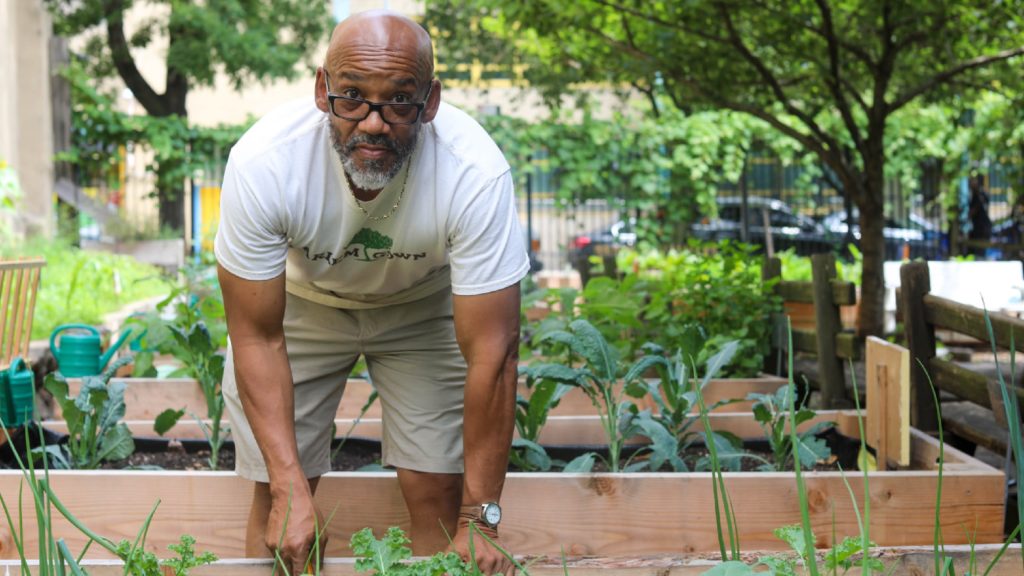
(374, 106)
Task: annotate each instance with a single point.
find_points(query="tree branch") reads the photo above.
(951, 73)
(834, 82)
(770, 78)
(661, 22)
(125, 64)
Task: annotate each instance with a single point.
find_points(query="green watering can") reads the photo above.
(79, 354)
(17, 394)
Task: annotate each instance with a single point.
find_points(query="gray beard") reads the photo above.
(375, 174)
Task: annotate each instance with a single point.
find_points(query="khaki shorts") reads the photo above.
(414, 363)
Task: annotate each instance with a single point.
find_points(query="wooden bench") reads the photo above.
(828, 341)
(19, 284)
(977, 415)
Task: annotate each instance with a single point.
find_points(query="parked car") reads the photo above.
(788, 229)
(922, 237)
(603, 242)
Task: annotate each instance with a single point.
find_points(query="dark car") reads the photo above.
(787, 228)
(917, 235)
(603, 242)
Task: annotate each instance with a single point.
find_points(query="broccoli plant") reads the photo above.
(771, 412)
(95, 431)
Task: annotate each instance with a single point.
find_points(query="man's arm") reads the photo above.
(255, 313)
(487, 329)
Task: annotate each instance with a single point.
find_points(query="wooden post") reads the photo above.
(827, 326)
(914, 284)
(773, 363)
(887, 401)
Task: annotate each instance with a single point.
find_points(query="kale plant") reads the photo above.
(771, 412)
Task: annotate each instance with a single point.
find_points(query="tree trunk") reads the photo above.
(171, 195)
(871, 319)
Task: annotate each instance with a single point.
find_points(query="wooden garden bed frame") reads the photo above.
(145, 398)
(908, 560)
(547, 513)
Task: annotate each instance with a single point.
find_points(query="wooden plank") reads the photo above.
(548, 513)
(831, 382)
(970, 320)
(843, 293)
(897, 560)
(914, 286)
(847, 347)
(145, 398)
(6, 316)
(558, 431)
(887, 370)
(964, 383)
(975, 424)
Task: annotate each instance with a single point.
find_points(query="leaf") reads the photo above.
(535, 454)
(636, 371)
(730, 568)
(166, 420)
(552, 371)
(719, 360)
(591, 344)
(811, 450)
(117, 443)
(379, 556)
(664, 445)
(794, 536)
(580, 464)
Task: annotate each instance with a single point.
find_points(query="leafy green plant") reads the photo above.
(95, 431)
(717, 286)
(598, 378)
(389, 557)
(772, 412)
(547, 384)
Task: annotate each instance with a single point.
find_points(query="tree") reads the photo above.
(370, 240)
(245, 40)
(828, 73)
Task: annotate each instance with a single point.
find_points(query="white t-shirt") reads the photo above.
(286, 207)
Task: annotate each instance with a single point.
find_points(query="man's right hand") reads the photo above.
(292, 528)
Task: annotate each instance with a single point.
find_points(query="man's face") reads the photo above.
(372, 151)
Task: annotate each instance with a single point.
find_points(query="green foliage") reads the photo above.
(95, 431)
(190, 325)
(599, 378)
(717, 287)
(10, 194)
(389, 557)
(772, 411)
(547, 384)
(797, 268)
(83, 286)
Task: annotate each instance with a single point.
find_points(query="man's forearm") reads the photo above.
(488, 425)
(266, 390)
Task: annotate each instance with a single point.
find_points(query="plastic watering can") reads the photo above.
(17, 394)
(79, 354)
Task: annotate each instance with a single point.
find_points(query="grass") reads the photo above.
(83, 286)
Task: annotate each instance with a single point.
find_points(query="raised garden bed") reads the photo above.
(904, 560)
(600, 514)
(145, 398)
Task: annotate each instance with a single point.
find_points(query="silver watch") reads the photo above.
(489, 514)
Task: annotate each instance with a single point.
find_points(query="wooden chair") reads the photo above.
(19, 284)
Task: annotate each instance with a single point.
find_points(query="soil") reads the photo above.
(365, 454)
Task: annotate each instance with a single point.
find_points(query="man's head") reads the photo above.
(380, 57)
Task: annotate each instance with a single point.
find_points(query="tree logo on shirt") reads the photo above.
(370, 240)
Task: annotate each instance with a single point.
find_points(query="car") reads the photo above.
(917, 235)
(788, 228)
(603, 242)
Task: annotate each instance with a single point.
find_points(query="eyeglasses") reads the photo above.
(358, 109)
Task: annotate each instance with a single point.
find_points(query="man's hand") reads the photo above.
(489, 558)
(292, 530)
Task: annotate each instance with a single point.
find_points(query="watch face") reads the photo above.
(492, 513)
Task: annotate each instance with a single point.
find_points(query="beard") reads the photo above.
(374, 174)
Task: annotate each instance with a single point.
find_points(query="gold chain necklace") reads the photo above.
(397, 202)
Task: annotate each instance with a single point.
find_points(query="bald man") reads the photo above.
(372, 220)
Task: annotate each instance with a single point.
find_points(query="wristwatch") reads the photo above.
(488, 513)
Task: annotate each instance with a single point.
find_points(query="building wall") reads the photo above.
(26, 133)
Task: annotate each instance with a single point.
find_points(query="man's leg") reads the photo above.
(433, 502)
(259, 513)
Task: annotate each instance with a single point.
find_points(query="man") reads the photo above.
(374, 220)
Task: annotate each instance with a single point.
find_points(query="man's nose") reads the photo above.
(374, 124)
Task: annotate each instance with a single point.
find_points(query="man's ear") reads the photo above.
(320, 89)
(433, 102)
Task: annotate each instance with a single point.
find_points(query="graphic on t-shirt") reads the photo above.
(370, 240)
